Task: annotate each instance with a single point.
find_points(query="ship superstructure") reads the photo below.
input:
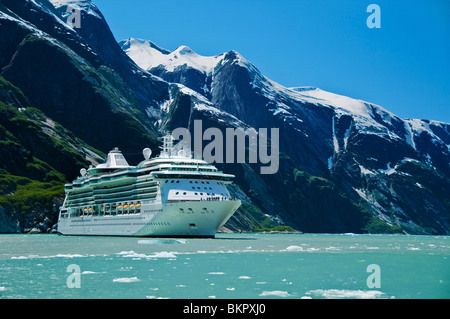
(172, 195)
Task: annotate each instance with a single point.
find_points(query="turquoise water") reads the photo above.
(232, 266)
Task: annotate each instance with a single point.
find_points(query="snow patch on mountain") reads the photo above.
(22, 23)
(86, 6)
(147, 56)
(356, 107)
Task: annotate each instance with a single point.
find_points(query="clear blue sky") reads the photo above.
(404, 66)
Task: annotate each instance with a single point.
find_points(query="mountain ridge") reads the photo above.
(345, 165)
(346, 119)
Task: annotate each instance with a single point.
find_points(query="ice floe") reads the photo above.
(133, 254)
(162, 241)
(346, 293)
(126, 280)
(275, 293)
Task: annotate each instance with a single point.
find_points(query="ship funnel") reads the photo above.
(147, 153)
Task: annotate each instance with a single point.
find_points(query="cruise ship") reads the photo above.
(171, 195)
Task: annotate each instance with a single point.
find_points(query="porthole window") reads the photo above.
(177, 193)
(184, 193)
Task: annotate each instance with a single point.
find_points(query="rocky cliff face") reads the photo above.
(68, 95)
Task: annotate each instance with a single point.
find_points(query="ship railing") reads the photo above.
(208, 199)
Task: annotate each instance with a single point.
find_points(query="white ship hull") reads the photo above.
(173, 219)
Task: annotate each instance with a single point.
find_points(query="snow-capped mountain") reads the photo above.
(353, 143)
(148, 55)
(286, 103)
(346, 165)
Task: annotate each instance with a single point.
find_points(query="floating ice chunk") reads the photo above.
(345, 293)
(216, 273)
(155, 297)
(132, 254)
(126, 280)
(162, 241)
(163, 254)
(53, 256)
(126, 252)
(294, 248)
(277, 293)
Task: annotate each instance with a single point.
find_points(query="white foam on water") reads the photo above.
(244, 277)
(88, 272)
